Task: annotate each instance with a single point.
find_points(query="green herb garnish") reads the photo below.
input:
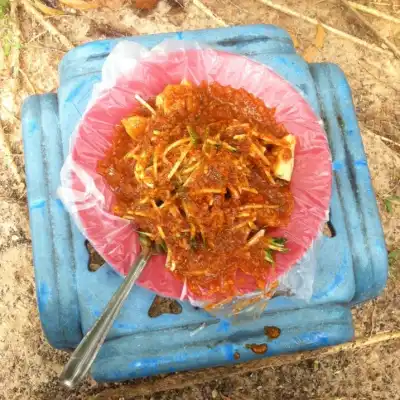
(268, 256)
(194, 137)
(278, 244)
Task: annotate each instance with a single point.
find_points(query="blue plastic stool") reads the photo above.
(352, 265)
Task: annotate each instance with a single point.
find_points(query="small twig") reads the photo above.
(8, 158)
(15, 52)
(383, 138)
(28, 81)
(46, 24)
(387, 140)
(372, 11)
(384, 82)
(241, 9)
(329, 28)
(390, 191)
(388, 43)
(385, 4)
(372, 318)
(181, 380)
(202, 7)
(182, 5)
(15, 62)
(34, 46)
(36, 37)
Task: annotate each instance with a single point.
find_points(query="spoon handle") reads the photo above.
(86, 352)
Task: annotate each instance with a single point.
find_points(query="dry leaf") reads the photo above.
(310, 53)
(146, 4)
(80, 4)
(319, 37)
(295, 41)
(47, 10)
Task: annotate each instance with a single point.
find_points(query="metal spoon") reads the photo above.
(86, 352)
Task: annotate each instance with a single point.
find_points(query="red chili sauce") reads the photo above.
(193, 170)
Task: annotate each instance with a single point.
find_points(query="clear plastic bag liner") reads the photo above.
(132, 69)
(298, 281)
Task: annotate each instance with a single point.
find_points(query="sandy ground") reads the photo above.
(30, 366)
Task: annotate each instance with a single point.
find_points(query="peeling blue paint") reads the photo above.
(37, 204)
(314, 339)
(76, 91)
(361, 163)
(32, 128)
(223, 326)
(59, 204)
(337, 165)
(43, 296)
(228, 350)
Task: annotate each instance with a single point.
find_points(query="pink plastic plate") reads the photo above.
(115, 239)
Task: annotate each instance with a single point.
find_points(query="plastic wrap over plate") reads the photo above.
(131, 69)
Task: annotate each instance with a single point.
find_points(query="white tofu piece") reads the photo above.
(283, 167)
